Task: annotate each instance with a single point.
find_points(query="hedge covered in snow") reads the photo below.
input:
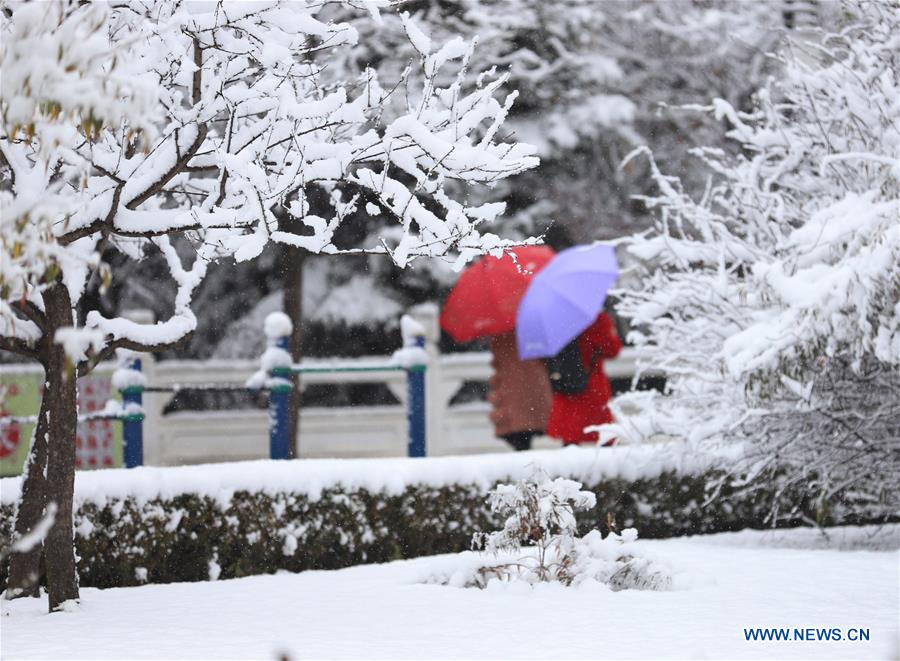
(199, 523)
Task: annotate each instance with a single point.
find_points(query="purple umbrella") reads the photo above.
(564, 299)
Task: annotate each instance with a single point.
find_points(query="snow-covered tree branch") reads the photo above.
(774, 301)
(220, 120)
(127, 125)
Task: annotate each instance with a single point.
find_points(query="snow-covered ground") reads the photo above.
(723, 584)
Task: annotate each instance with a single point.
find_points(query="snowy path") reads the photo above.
(723, 584)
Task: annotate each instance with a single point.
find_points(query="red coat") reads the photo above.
(570, 414)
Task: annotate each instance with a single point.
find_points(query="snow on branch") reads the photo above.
(773, 302)
(125, 124)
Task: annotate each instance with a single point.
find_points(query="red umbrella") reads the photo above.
(487, 294)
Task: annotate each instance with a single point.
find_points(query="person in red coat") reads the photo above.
(571, 413)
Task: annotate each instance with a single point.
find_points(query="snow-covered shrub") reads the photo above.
(540, 513)
(773, 301)
(616, 561)
(539, 543)
(162, 530)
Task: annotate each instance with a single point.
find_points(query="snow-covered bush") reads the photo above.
(773, 301)
(162, 525)
(539, 541)
(540, 513)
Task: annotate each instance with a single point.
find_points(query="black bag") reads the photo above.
(567, 373)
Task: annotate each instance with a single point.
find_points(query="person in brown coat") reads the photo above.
(520, 394)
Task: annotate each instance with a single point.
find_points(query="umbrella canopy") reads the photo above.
(485, 298)
(564, 299)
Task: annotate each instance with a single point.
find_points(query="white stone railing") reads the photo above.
(189, 437)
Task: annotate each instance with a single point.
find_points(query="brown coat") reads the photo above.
(520, 392)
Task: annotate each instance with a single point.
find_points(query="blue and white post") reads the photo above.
(414, 359)
(276, 361)
(131, 383)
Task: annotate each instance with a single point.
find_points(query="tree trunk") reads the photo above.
(292, 259)
(24, 567)
(62, 405)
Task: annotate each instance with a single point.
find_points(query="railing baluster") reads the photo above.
(279, 408)
(133, 423)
